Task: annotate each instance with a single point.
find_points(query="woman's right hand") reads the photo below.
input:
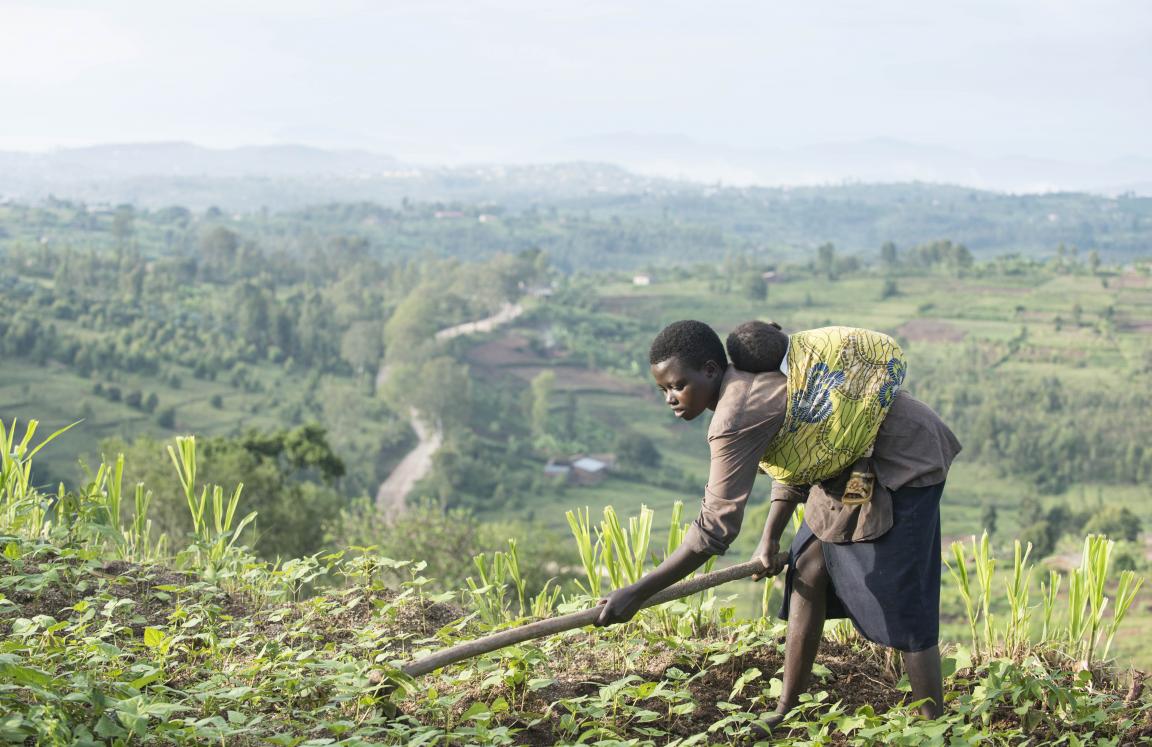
(768, 553)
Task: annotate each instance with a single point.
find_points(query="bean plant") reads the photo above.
(108, 636)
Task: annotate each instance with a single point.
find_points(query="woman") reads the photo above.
(877, 563)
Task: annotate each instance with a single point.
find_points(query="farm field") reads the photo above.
(1040, 366)
(1011, 322)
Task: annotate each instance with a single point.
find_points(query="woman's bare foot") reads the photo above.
(762, 729)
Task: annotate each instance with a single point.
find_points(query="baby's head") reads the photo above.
(757, 347)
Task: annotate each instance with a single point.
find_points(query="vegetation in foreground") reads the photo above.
(112, 638)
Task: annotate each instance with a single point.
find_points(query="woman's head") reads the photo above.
(687, 362)
(757, 347)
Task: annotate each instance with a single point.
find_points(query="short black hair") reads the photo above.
(693, 342)
(757, 347)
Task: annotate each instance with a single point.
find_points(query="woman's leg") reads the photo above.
(806, 613)
(923, 669)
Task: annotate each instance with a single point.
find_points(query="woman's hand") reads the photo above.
(619, 606)
(768, 553)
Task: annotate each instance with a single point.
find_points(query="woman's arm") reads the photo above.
(623, 604)
(784, 500)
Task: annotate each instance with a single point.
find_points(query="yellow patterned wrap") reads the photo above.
(841, 382)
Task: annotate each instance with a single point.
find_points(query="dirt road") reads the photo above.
(392, 493)
(415, 464)
(507, 313)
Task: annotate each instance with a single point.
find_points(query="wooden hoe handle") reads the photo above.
(554, 625)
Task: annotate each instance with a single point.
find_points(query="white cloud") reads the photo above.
(42, 46)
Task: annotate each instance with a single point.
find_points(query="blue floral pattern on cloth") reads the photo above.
(897, 369)
(814, 402)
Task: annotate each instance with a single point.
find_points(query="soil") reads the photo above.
(402, 625)
(512, 355)
(1130, 280)
(930, 330)
(857, 677)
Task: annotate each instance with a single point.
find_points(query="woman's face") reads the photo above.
(688, 391)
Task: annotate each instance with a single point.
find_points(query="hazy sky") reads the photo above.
(502, 78)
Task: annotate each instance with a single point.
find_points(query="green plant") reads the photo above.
(489, 595)
(215, 544)
(1050, 593)
(21, 507)
(1087, 601)
(1020, 614)
(625, 552)
(959, 570)
(591, 551)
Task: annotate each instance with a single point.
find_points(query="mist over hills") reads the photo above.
(876, 160)
(290, 176)
(282, 177)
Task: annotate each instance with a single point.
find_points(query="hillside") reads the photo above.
(111, 637)
(268, 339)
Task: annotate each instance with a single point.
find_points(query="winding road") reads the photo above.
(392, 493)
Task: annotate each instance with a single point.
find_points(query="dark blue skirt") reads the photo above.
(889, 587)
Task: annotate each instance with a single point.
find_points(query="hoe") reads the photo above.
(554, 625)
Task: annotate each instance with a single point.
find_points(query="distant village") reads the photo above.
(581, 469)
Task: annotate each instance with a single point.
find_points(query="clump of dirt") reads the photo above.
(54, 588)
(857, 676)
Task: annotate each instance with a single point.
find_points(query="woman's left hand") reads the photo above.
(619, 606)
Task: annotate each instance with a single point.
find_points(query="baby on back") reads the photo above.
(757, 347)
(841, 382)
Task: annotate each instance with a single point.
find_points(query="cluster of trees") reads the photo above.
(283, 307)
(134, 398)
(291, 478)
(1045, 526)
(1040, 428)
(942, 254)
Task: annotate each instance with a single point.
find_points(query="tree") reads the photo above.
(755, 287)
(637, 451)
(826, 259)
(218, 248)
(889, 255)
(412, 327)
(988, 515)
(123, 225)
(1042, 537)
(1094, 261)
(542, 386)
(289, 479)
(447, 539)
(439, 390)
(362, 346)
(1115, 522)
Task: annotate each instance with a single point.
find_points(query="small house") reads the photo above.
(588, 470)
(559, 470)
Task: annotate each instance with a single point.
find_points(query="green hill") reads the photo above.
(110, 637)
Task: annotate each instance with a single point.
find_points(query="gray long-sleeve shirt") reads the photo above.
(913, 448)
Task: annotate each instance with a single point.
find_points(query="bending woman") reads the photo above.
(877, 563)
